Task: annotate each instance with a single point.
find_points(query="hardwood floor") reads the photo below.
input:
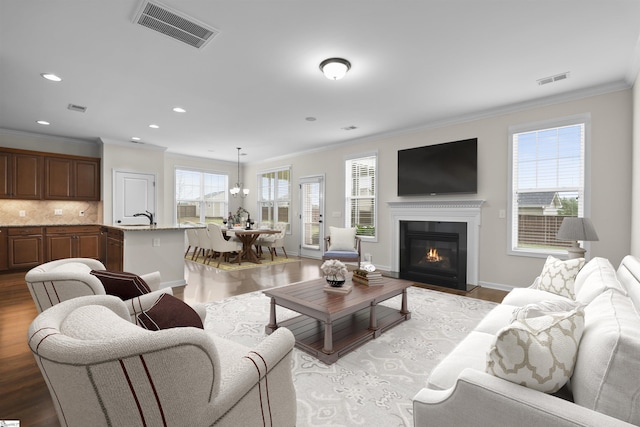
(24, 395)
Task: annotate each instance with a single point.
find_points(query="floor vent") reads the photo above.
(173, 24)
(552, 79)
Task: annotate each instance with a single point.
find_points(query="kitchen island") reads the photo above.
(143, 249)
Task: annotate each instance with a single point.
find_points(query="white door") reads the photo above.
(133, 193)
(312, 216)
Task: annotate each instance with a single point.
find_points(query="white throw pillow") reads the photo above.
(342, 239)
(544, 308)
(538, 352)
(594, 278)
(559, 276)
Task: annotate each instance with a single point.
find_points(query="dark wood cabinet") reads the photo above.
(114, 250)
(81, 241)
(71, 179)
(20, 175)
(25, 247)
(4, 249)
(34, 175)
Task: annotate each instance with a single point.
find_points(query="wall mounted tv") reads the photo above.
(448, 168)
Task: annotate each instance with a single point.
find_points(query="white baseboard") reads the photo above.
(497, 286)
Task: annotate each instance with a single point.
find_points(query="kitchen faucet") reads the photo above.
(147, 214)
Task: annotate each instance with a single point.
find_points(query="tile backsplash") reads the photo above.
(37, 212)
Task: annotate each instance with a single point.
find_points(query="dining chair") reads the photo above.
(222, 246)
(204, 242)
(273, 241)
(192, 239)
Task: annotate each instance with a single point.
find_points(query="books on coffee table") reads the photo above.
(344, 289)
(369, 278)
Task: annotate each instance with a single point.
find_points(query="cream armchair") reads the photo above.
(63, 279)
(103, 370)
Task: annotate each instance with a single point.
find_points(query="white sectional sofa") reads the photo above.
(603, 390)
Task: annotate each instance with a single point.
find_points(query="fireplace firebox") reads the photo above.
(434, 252)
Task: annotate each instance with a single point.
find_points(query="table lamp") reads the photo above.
(575, 229)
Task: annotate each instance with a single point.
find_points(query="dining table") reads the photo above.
(248, 239)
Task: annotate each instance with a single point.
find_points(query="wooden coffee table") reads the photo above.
(331, 325)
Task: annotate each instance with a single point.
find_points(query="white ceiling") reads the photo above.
(414, 64)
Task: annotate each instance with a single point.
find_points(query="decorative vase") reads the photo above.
(335, 282)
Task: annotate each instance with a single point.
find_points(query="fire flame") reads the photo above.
(433, 256)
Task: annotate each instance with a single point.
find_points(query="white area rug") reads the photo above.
(374, 384)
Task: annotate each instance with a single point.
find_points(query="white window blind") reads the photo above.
(361, 195)
(548, 184)
(274, 202)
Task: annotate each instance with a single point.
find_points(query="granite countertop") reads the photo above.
(156, 227)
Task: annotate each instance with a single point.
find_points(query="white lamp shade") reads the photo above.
(577, 229)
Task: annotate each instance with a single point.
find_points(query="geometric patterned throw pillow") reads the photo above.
(558, 276)
(538, 352)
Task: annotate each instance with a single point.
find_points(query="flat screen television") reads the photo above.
(448, 168)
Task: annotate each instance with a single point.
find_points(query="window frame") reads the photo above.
(512, 212)
(201, 201)
(260, 199)
(348, 179)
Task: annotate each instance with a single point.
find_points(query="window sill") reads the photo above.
(540, 253)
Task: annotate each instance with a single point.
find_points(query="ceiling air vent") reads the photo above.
(174, 24)
(551, 79)
(78, 108)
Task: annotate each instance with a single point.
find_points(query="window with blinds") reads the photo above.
(361, 198)
(547, 184)
(200, 196)
(274, 197)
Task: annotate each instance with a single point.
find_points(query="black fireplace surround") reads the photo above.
(434, 252)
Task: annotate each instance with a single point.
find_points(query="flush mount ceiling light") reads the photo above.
(335, 68)
(179, 110)
(43, 122)
(154, 126)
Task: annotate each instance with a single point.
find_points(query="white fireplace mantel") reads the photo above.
(467, 211)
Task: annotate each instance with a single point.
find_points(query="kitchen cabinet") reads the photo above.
(79, 241)
(69, 178)
(20, 175)
(4, 249)
(114, 250)
(25, 247)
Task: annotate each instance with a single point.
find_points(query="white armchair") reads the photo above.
(56, 281)
(103, 370)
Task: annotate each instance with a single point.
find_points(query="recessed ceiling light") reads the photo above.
(52, 77)
(154, 126)
(179, 110)
(43, 122)
(135, 138)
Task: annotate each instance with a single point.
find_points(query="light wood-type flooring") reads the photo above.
(23, 393)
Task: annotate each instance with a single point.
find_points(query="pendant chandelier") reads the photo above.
(237, 189)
